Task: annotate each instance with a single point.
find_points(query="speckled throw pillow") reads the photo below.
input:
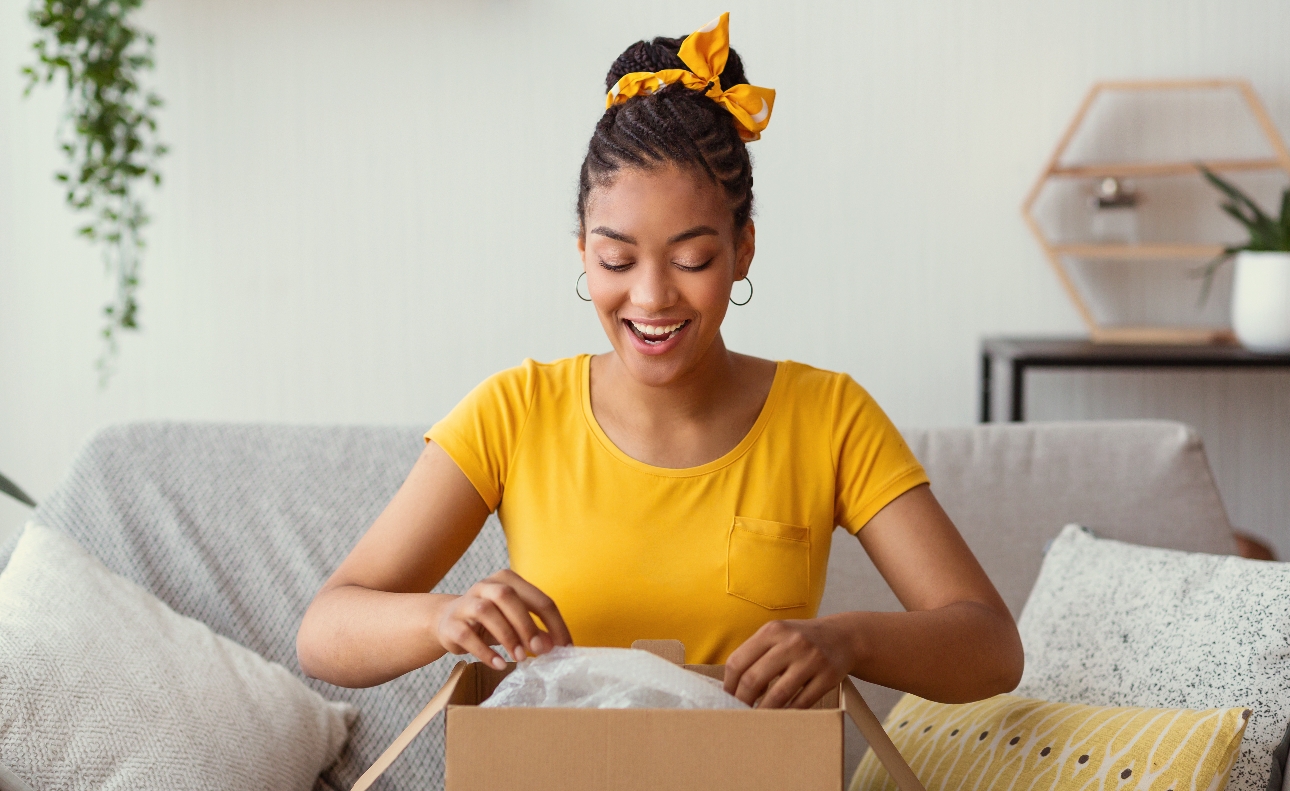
(1007, 742)
(1114, 624)
(105, 688)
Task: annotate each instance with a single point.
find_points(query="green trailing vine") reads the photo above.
(109, 136)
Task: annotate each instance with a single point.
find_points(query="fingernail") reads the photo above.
(540, 644)
(499, 663)
(520, 656)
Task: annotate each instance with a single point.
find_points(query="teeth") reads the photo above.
(655, 330)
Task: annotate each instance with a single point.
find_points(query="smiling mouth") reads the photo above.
(654, 334)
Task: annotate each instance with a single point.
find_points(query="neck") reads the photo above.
(694, 394)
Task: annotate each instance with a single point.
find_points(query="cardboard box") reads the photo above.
(549, 749)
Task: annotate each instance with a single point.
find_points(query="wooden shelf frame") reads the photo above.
(1100, 170)
(1139, 252)
(1056, 253)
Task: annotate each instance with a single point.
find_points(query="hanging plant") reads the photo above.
(109, 136)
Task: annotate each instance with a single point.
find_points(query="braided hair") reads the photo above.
(675, 126)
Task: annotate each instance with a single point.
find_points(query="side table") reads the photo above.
(1005, 360)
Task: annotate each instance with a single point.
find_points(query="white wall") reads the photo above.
(368, 207)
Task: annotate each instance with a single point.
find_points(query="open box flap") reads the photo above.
(414, 729)
(852, 703)
(888, 755)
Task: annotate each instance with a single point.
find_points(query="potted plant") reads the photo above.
(1261, 284)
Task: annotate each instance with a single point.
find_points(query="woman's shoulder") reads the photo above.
(532, 373)
(521, 385)
(808, 383)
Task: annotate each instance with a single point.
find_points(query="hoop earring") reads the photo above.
(577, 288)
(747, 280)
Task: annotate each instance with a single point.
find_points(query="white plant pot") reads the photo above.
(1261, 301)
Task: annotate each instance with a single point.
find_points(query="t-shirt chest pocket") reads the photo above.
(769, 563)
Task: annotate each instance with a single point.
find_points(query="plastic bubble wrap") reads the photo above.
(608, 678)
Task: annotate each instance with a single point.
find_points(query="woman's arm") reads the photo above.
(373, 620)
(956, 642)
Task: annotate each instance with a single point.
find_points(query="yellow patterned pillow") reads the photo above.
(1007, 743)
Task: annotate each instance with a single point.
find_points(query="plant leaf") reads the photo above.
(1285, 220)
(1232, 191)
(10, 488)
(1209, 270)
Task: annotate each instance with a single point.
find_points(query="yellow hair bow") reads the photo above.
(705, 52)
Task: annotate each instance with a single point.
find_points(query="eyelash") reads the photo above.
(698, 268)
(623, 267)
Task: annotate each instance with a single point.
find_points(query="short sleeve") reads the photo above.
(482, 432)
(874, 464)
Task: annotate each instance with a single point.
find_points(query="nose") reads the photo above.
(653, 290)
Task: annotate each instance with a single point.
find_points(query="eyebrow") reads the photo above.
(612, 234)
(698, 230)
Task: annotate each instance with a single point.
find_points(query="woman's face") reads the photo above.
(661, 253)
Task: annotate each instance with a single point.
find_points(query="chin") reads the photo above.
(652, 371)
(657, 365)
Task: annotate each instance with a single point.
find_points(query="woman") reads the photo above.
(670, 488)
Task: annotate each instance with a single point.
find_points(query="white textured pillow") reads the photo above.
(1114, 624)
(102, 686)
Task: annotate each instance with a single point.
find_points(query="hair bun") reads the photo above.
(660, 54)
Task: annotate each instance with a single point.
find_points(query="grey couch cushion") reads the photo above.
(238, 526)
(1011, 488)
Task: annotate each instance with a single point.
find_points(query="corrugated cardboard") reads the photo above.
(539, 749)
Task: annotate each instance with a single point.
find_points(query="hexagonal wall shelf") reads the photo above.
(1161, 153)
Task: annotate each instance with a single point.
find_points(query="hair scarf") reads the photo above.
(704, 51)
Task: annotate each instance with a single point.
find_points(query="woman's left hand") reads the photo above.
(789, 664)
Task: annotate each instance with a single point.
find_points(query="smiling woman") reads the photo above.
(660, 258)
(671, 488)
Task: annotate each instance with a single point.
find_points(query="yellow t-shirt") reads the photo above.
(706, 554)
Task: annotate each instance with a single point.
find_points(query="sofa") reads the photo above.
(239, 525)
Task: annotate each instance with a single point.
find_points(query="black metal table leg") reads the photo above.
(1018, 406)
(987, 396)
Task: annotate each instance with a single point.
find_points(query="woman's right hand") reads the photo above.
(499, 610)
(375, 620)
